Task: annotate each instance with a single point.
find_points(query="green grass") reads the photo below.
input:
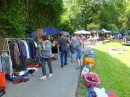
(113, 70)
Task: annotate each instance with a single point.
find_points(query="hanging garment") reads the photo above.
(18, 43)
(35, 44)
(23, 55)
(16, 54)
(6, 64)
(32, 48)
(29, 51)
(11, 48)
(26, 47)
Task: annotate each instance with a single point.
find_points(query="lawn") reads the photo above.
(113, 70)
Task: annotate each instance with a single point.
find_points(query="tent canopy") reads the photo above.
(125, 32)
(128, 31)
(32, 34)
(95, 30)
(105, 31)
(115, 32)
(82, 32)
(51, 31)
(48, 31)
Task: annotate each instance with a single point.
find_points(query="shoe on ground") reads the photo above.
(61, 66)
(42, 78)
(71, 60)
(66, 64)
(79, 67)
(50, 75)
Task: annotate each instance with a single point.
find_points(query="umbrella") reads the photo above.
(82, 32)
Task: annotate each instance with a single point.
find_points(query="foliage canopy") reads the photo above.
(21, 17)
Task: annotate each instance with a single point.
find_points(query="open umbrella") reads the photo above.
(82, 32)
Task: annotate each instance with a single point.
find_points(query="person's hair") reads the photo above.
(39, 29)
(68, 35)
(44, 37)
(61, 34)
(80, 35)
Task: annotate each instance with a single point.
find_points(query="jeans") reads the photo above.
(64, 54)
(43, 63)
(72, 50)
(79, 55)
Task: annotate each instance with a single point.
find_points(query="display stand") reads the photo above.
(6, 44)
(7, 50)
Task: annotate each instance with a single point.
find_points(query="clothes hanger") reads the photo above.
(4, 52)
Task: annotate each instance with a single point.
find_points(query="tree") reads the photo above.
(19, 17)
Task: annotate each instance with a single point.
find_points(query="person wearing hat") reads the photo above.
(46, 54)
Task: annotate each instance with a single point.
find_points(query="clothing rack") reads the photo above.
(6, 44)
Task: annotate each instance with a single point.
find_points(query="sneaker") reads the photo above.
(66, 64)
(61, 66)
(42, 78)
(71, 60)
(50, 75)
(79, 67)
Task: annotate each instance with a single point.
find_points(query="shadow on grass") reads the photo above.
(113, 74)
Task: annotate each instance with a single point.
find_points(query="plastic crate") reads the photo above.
(2, 79)
(91, 65)
(91, 54)
(94, 76)
(89, 60)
